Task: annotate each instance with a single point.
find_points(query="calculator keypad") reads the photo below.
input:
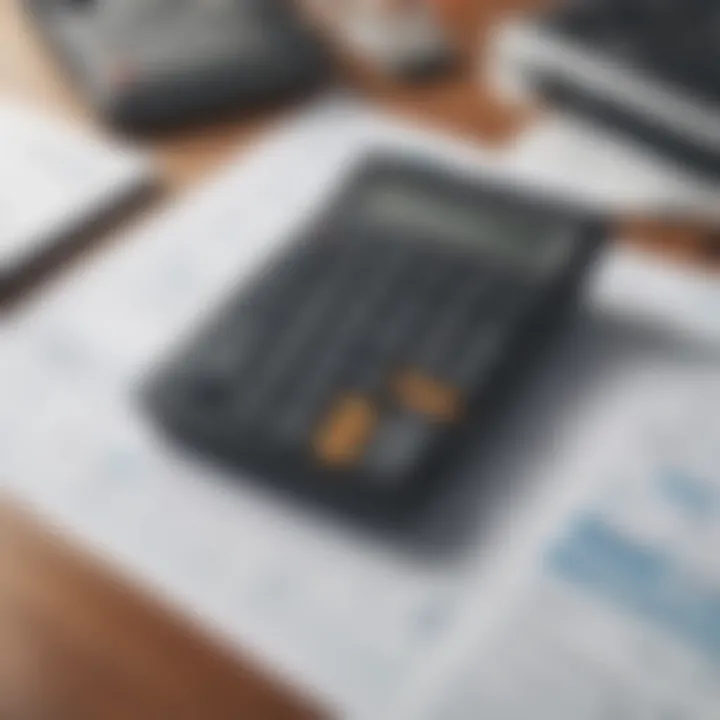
(349, 363)
(352, 356)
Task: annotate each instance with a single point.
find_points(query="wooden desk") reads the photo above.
(76, 643)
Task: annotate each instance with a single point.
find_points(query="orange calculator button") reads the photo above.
(343, 436)
(423, 394)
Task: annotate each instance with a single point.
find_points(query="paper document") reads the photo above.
(615, 612)
(274, 577)
(54, 179)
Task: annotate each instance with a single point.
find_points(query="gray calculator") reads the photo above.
(150, 64)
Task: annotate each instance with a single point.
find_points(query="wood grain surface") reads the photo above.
(76, 641)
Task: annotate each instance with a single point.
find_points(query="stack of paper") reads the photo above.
(268, 574)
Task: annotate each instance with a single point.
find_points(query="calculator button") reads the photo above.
(295, 421)
(432, 398)
(300, 405)
(343, 436)
(211, 394)
(461, 302)
(436, 348)
(355, 323)
(401, 443)
(279, 364)
(397, 329)
(365, 373)
(475, 296)
(313, 386)
(471, 366)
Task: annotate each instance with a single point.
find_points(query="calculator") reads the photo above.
(646, 69)
(150, 64)
(352, 368)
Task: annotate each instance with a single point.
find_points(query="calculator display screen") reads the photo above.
(521, 235)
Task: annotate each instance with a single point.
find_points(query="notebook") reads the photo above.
(55, 180)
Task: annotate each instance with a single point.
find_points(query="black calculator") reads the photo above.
(150, 64)
(352, 366)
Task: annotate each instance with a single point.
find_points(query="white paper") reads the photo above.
(615, 612)
(267, 574)
(53, 179)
